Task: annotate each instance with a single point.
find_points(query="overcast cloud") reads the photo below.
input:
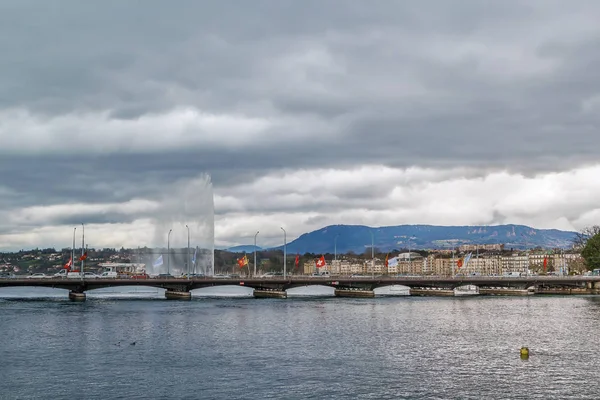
(303, 113)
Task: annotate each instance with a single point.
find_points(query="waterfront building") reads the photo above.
(435, 264)
(375, 266)
(340, 267)
(516, 262)
(484, 265)
(392, 268)
(309, 268)
(444, 266)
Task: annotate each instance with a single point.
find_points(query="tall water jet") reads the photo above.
(188, 209)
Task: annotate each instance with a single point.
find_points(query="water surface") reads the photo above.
(302, 348)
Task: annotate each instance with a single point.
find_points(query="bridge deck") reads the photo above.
(293, 281)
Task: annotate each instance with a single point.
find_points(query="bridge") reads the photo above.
(345, 286)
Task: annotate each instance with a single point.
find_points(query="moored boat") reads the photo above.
(466, 290)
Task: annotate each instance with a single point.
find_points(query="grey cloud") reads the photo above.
(483, 85)
(135, 60)
(94, 218)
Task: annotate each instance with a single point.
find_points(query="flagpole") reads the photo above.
(73, 250)
(169, 252)
(477, 256)
(284, 253)
(373, 254)
(409, 257)
(254, 253)
(82, 248)
(188, 253)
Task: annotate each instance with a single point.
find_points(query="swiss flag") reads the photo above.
(68, 264)
(297, 260)
(545, 263)
(321, 262)
(83, 256)
(242, 262)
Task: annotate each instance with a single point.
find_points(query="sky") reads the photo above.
(130, 116)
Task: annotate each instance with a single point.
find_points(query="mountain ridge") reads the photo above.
(357, 238)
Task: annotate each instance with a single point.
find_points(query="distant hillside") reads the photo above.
(243, 249)
(357, 238)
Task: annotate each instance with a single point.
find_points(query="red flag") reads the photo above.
(297, 260)
(459, 263)
(242, 262)
(83, 256)
(321, 262)
(545, 263)
(387, 256)
(68, 264)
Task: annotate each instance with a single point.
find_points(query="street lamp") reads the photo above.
(335, 247)
(410, 255)
(169, 251)
(82, 249)
(73, 251)
(187, 262)
(254, 254)
(284, 253)
(372, 254)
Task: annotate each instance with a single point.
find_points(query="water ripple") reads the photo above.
(304, 348)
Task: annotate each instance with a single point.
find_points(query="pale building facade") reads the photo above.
(433, 264)
(444, 266)
(474, 247)
(515, 263)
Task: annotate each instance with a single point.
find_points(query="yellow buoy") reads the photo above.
(524, 352)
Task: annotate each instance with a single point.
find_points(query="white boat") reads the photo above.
(466, 290)
(393, 290)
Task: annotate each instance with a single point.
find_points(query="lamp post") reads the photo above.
(255, 235)
(335, 247)
(82, 249)
(372, 254)
(169, 251)
(72, 251)
(409, 256)
(187, 262)
(284, 253)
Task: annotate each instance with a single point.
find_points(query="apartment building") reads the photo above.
(433, 264)
(375, 266)
(444, 266)
(309, 268)
(474, 247)
(515, 263)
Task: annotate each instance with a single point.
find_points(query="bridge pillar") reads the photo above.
(175, 295)
(76, 296)
(361, 293)
(270, 294)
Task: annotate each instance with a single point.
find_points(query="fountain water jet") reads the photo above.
(185, 203)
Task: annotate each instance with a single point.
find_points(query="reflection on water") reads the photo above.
(152, 293)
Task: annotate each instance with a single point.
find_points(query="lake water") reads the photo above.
(299, 348)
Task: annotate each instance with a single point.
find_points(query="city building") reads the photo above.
(481, 247)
